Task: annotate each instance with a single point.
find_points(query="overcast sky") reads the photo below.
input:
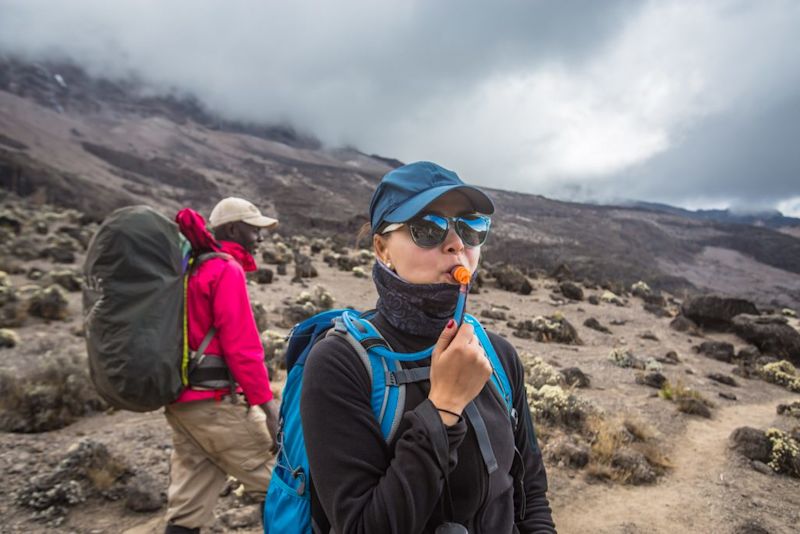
(694, 103)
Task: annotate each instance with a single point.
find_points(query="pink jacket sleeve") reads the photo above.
(238, 336)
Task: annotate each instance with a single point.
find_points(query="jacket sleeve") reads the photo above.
(538, 517)
(363, 488)
(238, 335)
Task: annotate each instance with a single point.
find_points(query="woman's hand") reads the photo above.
(459, 370)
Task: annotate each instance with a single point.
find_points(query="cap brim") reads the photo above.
(261, 221)
(411, 207)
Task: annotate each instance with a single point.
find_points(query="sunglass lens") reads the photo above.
(428, 230)
(473, 230)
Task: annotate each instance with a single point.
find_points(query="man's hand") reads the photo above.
(271, 409)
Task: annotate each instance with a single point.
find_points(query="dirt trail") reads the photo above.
(691, 498)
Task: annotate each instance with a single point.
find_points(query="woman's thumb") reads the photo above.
(445, 337)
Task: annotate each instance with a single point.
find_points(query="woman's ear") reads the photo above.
(381, 249)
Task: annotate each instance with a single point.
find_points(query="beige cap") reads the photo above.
(234, 209)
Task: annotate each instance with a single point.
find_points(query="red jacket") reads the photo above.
(217, 296)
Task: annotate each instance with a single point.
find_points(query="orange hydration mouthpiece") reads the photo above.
(461, 274)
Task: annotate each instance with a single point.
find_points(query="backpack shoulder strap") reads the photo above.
(499, 379)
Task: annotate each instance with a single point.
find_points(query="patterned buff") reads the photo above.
(418, 309)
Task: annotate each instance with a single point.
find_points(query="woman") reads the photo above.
(424, 221)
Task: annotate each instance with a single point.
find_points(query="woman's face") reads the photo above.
(429, 265)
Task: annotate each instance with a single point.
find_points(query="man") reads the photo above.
(216, 431)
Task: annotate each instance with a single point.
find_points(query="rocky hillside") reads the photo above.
(94, 144)
(655, 414)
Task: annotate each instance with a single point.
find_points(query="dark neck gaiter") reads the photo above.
(418, 309)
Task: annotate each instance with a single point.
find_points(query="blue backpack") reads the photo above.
(287, 509)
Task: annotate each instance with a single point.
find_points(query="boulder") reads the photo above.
(718, 350)
(670, 358)
(494, 313)
(716, 312)
(262, 275)
(682, 323)
(634, 466)
(574, 377)
(654, 379)
(611, 298)
(554, 328)
(694, 406)
(49, 303)
(260, 315)
(593, 300)
(511, 279)
(68, 279)
(571, 291)
(723, 379)
(594, 324)
(143, 493)
(770, 334)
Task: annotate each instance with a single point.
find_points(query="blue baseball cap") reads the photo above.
(405, 191)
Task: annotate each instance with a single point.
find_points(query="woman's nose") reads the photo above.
(452, 243)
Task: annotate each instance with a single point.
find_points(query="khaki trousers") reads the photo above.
(212, 440)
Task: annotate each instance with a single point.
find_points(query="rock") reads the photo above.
(751, 443)
(650, 336)
(554, 328)
(618, 322)
(656, 310)
(262, 275)
(570, 453)
(281, 269)
(761, 467)
(260, 315)
(303, 267)
(296, 313)
(694, 406)
(494, 313)
(511, 279)
(244, 517)
(35, 274)
(594, 324)
(790, 410)
(359, 272)
(682, 323)
(562, 272)
(654, 379)
(716, 312)
(748, 354)
(670, 358)
(771, 335)
(68, 279)
(49, 303)
(8, 339)
(611, 298)
(571, 291)
(593, 300)
(574, 377)
(718, 350)
(788, 312)
(750, 527)
(722, 379)
(13, 308)
(728, 396)
(86, 469)
(60, 254)
(625, 358)
(143, 493)
(634, 465)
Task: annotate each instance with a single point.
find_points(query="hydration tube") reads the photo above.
(462, 276)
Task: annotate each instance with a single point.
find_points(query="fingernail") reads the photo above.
(450, 324)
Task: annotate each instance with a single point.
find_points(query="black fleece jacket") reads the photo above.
(362, 485)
